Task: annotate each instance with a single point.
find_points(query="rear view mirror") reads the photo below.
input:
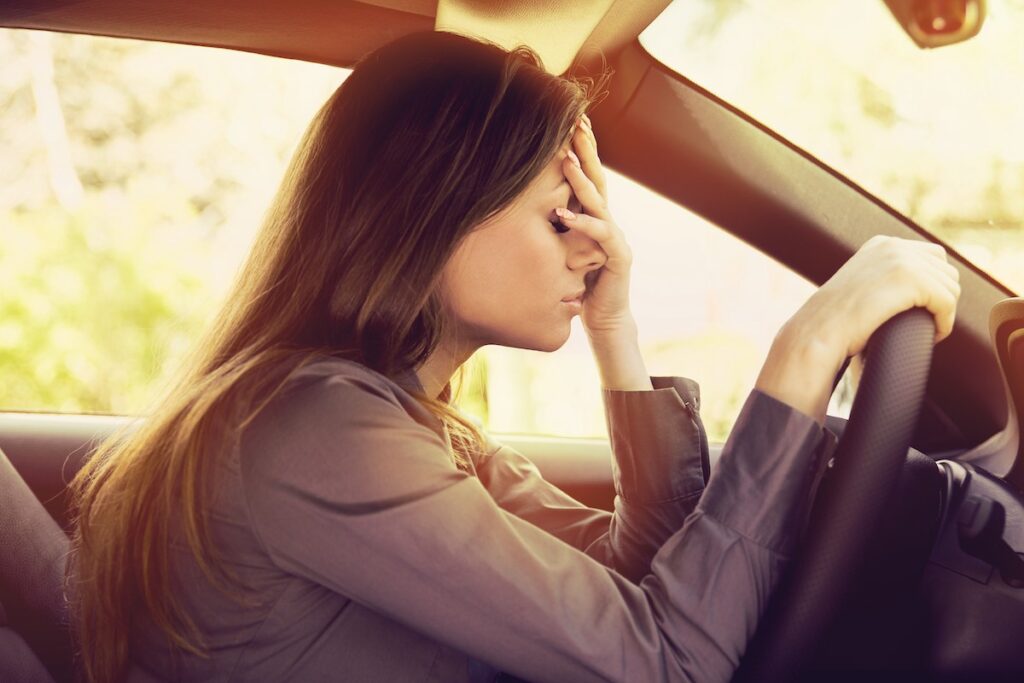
(934, 23)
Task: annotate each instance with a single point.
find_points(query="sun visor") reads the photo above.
(557, 31)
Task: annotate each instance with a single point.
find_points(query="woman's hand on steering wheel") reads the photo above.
(886, 276)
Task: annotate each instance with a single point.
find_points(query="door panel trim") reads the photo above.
(48, 449)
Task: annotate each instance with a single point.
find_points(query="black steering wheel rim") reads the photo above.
(868, 460)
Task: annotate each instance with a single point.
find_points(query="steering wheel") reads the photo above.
(868, 460)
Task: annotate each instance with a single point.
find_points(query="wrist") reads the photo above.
(624, 332)
(619, 362)
(800, 369)
(811, 339)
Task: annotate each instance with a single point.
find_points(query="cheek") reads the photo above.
(525, 272)
(472, 280)
(501, 286)
(504, 262)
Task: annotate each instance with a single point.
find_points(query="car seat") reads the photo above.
(35, 641)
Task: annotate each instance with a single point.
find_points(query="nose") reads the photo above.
(584, 254)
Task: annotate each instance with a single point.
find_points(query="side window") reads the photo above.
(933, 133)
(134, 174)
(707, 306)
(132, 177)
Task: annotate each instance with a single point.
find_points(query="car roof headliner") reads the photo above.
(340, 32)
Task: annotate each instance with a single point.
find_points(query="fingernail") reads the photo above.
(575, 159)
(565, 213)
(586, 120)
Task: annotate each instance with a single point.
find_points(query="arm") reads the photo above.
(660, 463)
(659, 447)
(348, 491)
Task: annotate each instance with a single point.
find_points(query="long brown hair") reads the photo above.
(428, 136)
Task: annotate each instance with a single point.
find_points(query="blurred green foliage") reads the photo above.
(90, 311)
(132, 177)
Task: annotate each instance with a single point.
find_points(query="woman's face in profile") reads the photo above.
(512, 281)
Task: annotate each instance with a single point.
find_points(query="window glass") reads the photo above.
(134, 175)
(934, 133)
(132, 178)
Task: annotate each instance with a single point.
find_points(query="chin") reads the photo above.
(552, 340)
(546, 340)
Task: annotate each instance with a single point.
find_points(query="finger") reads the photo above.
(950, 285)
(936, 249)
(875, 240)
(589, 195)
(949, 277)
(936, 253)
(589, 128)
(591, 163)
(586, 148)
(945, 322)
(921, 256)
(942, 295)
(949, 270)
(606, 234)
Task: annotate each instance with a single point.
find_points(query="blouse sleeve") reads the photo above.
(343, 488)
(659, 466)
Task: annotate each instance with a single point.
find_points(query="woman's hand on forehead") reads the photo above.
(606, 314)
(606, 305)
(584, 142)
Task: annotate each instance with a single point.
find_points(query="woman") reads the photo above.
(307, 505)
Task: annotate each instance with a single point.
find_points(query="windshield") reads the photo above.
(936, 134)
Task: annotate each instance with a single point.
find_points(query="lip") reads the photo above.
(577, 297)
(574, 306)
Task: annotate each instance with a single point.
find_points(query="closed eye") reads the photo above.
(573, 205)
(558, 225)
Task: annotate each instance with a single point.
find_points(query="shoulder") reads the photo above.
(326, 386)
(334, 415)
(338, 440)
(332, 394)
(340, 376)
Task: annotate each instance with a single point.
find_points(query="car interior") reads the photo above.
(912, 562)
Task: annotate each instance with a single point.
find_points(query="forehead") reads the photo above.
(550, 178)
(544, 188)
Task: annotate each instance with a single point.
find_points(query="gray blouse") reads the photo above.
(369, 556)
